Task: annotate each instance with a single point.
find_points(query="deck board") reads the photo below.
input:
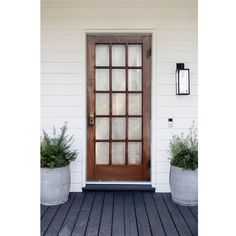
(154, 218)
(189, 218)
(82, 220)
(53, 229)
(142, 219)
(48, 218)
(106, 217)
(96, 211)
(69, 222)
(130, 216)
(119, 213)
(167, 222)
(194, 211)
(179, 222)
(118, 227)
(43, 209)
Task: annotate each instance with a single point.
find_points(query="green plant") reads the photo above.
(184, 150)
(55, 151)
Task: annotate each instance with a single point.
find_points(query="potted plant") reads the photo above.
(56, 155)
(184, 168)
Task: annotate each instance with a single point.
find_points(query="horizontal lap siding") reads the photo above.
(120, 3)
(58, 78)
(63, 97)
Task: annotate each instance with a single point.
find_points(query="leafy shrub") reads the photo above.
(55, 151)
(184, 150)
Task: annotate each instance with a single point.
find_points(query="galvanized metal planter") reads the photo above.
(55, 185)
(184, 186)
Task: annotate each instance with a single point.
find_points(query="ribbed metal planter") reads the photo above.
(55, 185)
(184, 186)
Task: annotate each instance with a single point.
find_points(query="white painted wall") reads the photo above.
(63, 84)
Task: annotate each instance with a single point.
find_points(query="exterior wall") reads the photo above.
(63, 82)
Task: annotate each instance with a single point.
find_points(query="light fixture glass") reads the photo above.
(182, 80)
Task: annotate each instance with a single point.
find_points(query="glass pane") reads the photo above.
(118, 128)
(134, 152)
(183, 81)
(135, 128)
(102, 128)
(135, 104)
(118, 55)
(135, 55)
(135, 80)
(102, 79)
(102, 104)
(118, 153)
(102, 153)
(118, 80)
(118, 104)
(102, 55)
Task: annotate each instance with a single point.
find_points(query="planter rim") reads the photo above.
(47, 168)
(182, 168)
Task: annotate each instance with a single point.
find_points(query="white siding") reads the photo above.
(63, 83)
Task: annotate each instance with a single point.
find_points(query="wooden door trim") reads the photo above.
(145, 39)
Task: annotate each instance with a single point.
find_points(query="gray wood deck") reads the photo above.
(119, 213)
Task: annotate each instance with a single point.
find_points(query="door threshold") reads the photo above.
(118, 187)
(120, 182)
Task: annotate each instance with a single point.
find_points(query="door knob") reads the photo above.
(91, 118)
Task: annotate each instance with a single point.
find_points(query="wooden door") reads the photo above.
(118, 107)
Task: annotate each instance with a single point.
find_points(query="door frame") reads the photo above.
(153, 105)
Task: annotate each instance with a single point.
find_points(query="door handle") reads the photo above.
(91, 118)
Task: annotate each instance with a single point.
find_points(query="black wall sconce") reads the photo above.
(182, 80)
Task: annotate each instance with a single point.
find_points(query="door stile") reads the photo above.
(146, 106)
(91, 106)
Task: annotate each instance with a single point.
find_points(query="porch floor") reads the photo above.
(119, 213)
